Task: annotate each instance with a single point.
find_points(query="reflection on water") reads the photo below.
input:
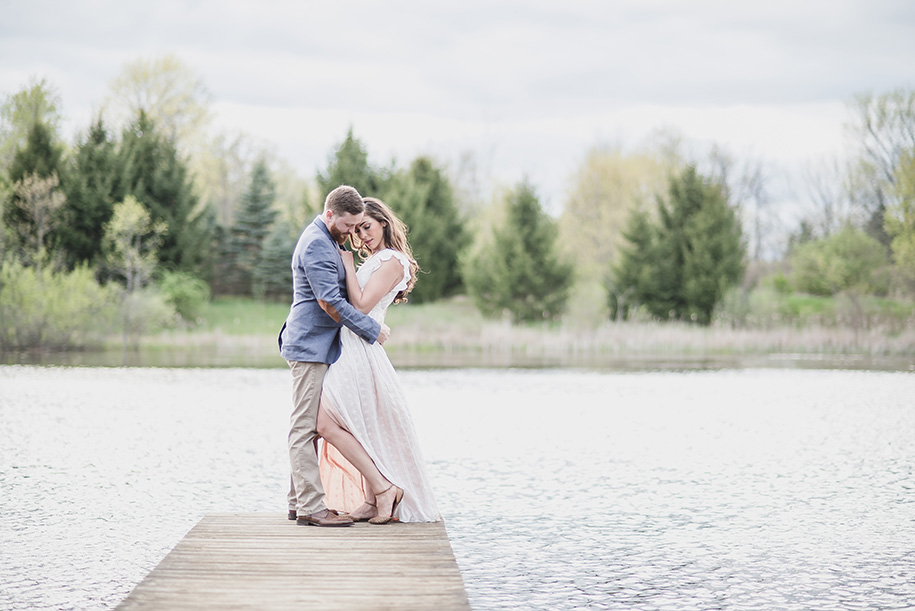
(758, 489)
(263, 354)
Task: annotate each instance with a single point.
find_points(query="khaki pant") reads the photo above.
(306, 494)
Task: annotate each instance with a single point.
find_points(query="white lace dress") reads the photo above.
(363, 394)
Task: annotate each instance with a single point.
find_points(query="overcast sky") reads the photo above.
(527, 86)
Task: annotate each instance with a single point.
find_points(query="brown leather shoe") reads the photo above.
(292, 515)
(324, 518)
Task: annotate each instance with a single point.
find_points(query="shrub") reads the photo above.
(186, 293)
(780, 283)
(847, 260)
(144, 311)
(48, 309)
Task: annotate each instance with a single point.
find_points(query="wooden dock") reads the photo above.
(264, 561)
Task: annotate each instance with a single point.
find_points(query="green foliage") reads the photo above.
(40, 157)
(273, 273)
(520, 271)
(423, 199)
(244, 316)
(49, 309)
(144, 311)
(166, 91)
(90, 188)
(680, 265)
(607, 186)
(252, 224)
(184, 292)
(637, 275)
(40, 201)
(131, 243)
(765, 308)
(38, 103)
(847, 260)
(781, 283)
(900, 222)
(152, 171)
(349, 165)
(883, 127)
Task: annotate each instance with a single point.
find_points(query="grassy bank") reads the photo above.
(455, 327)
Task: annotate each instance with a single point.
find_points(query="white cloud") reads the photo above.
(528, 85)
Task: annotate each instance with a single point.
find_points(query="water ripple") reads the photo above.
(732, 490)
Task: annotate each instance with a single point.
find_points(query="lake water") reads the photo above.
(561, 489)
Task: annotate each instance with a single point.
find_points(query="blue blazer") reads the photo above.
(311, 333)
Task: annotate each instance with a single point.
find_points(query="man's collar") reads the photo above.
(319, 221)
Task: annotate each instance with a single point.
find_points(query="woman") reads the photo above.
(373, 454)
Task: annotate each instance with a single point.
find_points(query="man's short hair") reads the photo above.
(344, 200)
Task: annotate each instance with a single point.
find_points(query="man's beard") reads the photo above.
(338, 236)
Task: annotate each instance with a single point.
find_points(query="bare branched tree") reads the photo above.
(169, 92)
(829, 189)
(883, 127)
(746, 185)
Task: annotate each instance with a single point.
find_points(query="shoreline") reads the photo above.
(623, 346)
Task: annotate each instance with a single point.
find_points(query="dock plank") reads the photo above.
(263, 561)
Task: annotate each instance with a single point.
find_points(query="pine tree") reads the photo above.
(634, 277)
(36, 103)
(152, 171)
(349, 165)
(273, 273)
(520, 271)
(714, 256)
(90, 196)
(41, 157)
(680, 265)
(424, 200)
(252, 225)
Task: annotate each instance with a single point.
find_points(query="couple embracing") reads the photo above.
(345, 389)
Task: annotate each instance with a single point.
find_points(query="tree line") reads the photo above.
(145, 216)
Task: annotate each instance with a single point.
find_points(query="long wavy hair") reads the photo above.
(394, 233)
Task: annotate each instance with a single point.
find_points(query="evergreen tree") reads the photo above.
(714, 255)
(224, 279)
(37, 103)
(349, 165)
(252, 225)
(90, 196)
(520, 271)
(680, 265)
(273, 273)
(41, 157)
(152, 171)
(423, 199)
(635, 276)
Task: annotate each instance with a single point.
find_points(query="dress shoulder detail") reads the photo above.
(385, 255)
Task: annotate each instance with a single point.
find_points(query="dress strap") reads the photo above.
(385, 255)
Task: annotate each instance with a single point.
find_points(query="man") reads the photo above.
(310, 342)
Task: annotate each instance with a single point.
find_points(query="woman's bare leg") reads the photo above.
(353, 451)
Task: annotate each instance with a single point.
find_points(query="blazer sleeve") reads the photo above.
(322, 276)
